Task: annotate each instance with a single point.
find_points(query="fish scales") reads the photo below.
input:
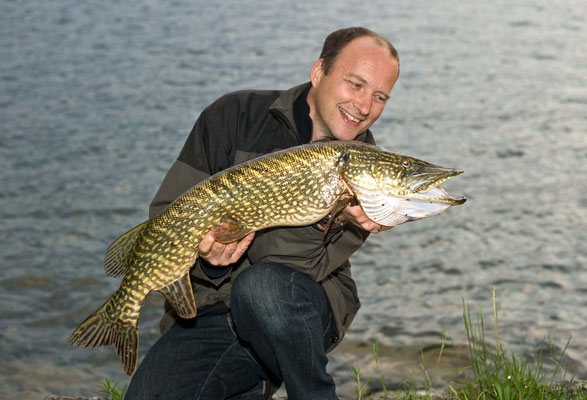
(294, 187)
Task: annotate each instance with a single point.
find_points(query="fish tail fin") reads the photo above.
(101, 330)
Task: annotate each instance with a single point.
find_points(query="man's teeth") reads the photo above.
(349, 116)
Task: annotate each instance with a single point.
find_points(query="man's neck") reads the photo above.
(317, 133)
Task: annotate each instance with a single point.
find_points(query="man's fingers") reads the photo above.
(221, 254)
(218, 248)
(357, 216)
(230, 248)
(206, 244)
(242, 246)
(246, 241)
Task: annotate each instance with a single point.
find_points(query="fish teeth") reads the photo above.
(349, 116)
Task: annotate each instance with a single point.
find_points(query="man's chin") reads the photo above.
(347, 135)
(340, 134)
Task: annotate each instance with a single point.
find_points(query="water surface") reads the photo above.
(97, 99)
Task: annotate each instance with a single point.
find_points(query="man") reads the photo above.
(271, 306)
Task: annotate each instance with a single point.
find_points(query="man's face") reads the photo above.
(348, 100)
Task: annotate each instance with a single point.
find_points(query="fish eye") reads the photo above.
(406, 163)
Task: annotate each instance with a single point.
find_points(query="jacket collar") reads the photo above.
(282, 107)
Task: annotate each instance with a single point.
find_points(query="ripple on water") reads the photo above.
(26, 282)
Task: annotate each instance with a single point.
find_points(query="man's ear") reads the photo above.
(316, 73)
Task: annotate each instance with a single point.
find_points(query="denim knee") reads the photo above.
(256, 289)
(284, 317)
(265, 296)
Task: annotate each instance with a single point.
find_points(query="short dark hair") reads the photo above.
(337, 40)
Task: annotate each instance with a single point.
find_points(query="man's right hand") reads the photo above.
(356, 216)
(220, 254)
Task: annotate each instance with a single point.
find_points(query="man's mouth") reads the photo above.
(349, 116)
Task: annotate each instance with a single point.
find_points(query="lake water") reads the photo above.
(97, 98)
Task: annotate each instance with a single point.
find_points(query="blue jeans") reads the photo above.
(281, 327)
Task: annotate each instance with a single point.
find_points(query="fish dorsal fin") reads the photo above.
(115, 262)
(181, 297)
(229, 230)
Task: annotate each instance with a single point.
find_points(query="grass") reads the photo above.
(494, 375)
(112, 391)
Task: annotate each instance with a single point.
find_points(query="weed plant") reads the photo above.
(494, 375)
(112, 391)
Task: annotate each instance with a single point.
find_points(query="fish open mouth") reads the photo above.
(436, 195)
(392, 209)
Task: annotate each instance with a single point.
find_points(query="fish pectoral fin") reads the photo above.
(115, 263)
(181, 297)
(229, 231)
(337, 208)
(341, 203)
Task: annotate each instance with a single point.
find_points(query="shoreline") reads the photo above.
(434, 367)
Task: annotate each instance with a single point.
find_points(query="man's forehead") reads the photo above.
(364, 48)
(367, 52)
(367, 44)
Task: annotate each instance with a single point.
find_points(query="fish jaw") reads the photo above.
(394, 211)
(396, 189)
(424, 185)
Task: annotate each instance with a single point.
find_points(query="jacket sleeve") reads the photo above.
(203, 154)
(305, 249)
(206, 151)
(179, 179)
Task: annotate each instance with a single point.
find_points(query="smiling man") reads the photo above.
(272, 305)
(349, 94)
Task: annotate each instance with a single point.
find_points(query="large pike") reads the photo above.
(295, 187)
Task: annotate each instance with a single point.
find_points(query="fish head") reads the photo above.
(393, 189)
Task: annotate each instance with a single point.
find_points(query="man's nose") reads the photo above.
(363, 104)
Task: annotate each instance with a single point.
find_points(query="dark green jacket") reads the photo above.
(235, 128)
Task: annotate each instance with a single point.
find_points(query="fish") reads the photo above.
(297, 186)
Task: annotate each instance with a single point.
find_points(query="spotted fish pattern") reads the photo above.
(295, 187)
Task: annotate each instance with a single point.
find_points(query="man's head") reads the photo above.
(351, 82)
(337, 40)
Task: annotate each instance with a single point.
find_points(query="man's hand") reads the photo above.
(356, 216)
(220, 254)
